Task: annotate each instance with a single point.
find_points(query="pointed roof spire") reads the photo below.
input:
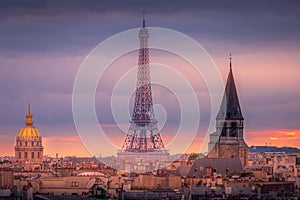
(230, 58)
(28, 109)
(230, 106)
(28, 116)
(144, 22)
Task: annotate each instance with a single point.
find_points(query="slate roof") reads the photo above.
(224, 166)
(183, 170)
(230, 106)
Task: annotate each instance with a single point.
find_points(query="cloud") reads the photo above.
(64, 146)
(74, 27)
(44, 42)
(289, 137)
(43, 81)
(50, 8)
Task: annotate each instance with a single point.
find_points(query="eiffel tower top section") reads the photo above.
(143, 105)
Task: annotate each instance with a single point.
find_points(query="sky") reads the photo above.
(44, 43)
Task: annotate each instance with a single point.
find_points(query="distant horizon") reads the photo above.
(95, 156)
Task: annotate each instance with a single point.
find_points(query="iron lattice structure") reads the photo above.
(143, 134)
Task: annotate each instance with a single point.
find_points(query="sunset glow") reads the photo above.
(43, 47)
(278, 138)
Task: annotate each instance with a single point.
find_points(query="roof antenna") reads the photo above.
(144, 24)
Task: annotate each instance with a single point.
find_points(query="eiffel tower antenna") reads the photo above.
(144, 23)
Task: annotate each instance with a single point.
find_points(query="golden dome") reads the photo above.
(29, 131)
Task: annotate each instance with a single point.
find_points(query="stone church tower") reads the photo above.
(228, 140)
(29, 142)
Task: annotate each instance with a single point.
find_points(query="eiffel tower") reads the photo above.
(143, 139)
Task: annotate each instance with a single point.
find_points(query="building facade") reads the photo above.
(29, 146)
(228, 140)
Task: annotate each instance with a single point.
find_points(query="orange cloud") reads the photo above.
(274, 137)
(64, 146)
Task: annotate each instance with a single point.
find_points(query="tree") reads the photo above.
(194, 156)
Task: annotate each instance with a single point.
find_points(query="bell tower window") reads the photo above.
(233, 130)
(223, 133)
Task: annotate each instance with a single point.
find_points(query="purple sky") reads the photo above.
(43, 43)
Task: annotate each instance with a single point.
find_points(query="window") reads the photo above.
(26, 144)
(233, 130)
(74, 184)
(39, 156)
(32, 154)
(20, 154)
(32, 143)
(223, 133)
(20, 143)
(25, 155)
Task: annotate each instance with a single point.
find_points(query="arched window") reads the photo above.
(223, 133)
(26, 144)
(233, 130)
(32, 143)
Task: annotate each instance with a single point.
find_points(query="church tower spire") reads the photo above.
(230, 106)
(228, 140)
(230, 58)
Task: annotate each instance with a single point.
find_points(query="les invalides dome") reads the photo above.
(29, 142)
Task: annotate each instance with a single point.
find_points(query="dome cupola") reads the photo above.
(29, 131)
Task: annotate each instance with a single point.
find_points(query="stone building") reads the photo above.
(6, 179)
(29, 146)
(228, 140)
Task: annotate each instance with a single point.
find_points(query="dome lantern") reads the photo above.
(29, 131)
(28, 121)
